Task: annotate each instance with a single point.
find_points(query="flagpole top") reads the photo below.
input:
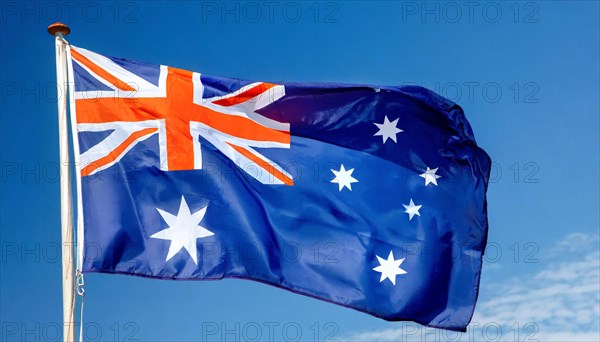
(59, 29)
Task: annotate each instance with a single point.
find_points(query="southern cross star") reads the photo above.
(430, 176)
(389, 268)
(184, 229)
(412, 209)
(387, 129)
(344, 178)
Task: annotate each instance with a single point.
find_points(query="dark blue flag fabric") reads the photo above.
(370, 197)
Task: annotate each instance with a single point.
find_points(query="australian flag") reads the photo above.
(370, 197)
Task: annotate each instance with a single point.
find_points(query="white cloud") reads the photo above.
(576, 243)
(559, 301)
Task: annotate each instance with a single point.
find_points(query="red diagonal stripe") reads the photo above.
(100, 72)
(114, 154)
(245, 96)
(263, 164)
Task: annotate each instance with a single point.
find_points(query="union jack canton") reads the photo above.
(135, 103)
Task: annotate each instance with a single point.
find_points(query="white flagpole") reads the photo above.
(59, 30)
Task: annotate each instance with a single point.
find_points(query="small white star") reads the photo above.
(183, 230)
(389, 268)
(344, 178)
(412, 209)
(387, 129)
(430, 176)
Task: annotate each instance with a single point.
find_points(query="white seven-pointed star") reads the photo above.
(430, 176)
(344, 178)
(183, 230)
(412, 209)
(389, 268)
(387, 129)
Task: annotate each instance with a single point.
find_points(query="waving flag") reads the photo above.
(368, 197)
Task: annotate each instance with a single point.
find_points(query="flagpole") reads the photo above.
(59, 30)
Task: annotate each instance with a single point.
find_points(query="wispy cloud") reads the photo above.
(559, 301)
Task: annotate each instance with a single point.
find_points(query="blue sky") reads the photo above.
(526, 74)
